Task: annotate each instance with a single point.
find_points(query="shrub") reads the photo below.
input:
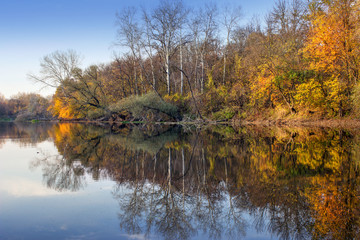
(23, 117)
(140, 106)
(96, 113)
(224, 114)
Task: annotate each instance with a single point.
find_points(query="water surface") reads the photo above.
(76, 181)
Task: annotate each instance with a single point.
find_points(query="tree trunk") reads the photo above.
(167, 65)
(202, 74)
(224, 73)
(135, 79)
(181, 68)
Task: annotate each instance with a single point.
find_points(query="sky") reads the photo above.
(31, 29)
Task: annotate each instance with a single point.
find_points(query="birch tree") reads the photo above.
(230, 20)
(165, 23)
(208, 29)
(129, 35)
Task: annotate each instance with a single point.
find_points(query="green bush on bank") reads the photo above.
(224, 114)
(140, 106)
(96, 113)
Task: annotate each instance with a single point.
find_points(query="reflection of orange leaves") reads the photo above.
(64, 129)
(62, 132)
(330, 208)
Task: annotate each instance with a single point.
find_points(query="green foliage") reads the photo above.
(214, 100)
(5, 119)
(291, 78)
(139, 106)
(96, 113)
(181, 102)
(224, 114)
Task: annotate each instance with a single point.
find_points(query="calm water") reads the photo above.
(73, 181)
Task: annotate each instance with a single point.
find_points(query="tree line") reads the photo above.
(25, 106)
(303, 59)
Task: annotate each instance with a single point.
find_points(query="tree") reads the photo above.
(333, 51)
(28, 106)
(165, 23)
(130, 36)
(277, 67)
(56, 68)
(3, 106)
(230, 20)
(84, 95)
(204, 29)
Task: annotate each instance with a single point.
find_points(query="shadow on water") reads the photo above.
(288, 183)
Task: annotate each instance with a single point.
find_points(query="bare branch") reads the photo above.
(56, 68)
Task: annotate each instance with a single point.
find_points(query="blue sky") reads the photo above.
(31, 29)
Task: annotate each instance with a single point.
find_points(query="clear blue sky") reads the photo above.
(30, 29)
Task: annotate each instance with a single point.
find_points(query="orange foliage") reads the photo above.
(63, 107)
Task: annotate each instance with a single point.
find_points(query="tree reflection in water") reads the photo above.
(289, 183)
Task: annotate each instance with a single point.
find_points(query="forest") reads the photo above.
(301, 61)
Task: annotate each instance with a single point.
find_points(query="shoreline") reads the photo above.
(308, 123)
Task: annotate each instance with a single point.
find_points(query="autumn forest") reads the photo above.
(302, 60)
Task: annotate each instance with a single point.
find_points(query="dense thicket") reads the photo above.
(24, 107)
(304, 60)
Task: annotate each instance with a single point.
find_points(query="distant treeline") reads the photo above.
(25, 106)
(302, 60)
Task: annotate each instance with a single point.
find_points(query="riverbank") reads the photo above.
(325, 123)
(347, 123)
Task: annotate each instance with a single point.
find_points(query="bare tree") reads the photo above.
(56, 68)
(147, 44)
(129, 35)
(230, 20)
(203, 27)
(208, 29)
(165, 23)
(181, 65)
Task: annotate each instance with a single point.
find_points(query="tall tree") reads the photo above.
(332, 49)
(165, 23)
(129, 35)
(208, 30)
(231, 19)
(57, 67)
(3, 106)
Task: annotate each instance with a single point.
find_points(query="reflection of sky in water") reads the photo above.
(30, 210)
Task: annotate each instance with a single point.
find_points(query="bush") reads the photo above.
(141, 106)
(214, 100)
(181, 102)
(96, 113)
(224, 114)
(23, 117)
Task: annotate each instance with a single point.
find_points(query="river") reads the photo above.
(78, 181)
